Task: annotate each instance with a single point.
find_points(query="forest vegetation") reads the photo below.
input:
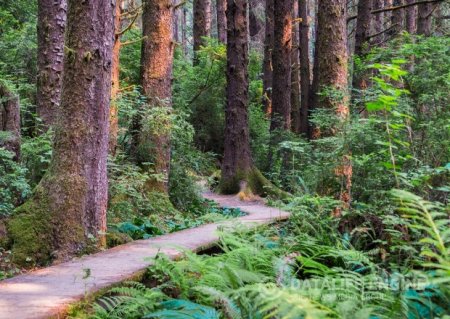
(115, 116)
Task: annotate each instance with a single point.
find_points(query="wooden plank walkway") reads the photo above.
(48, 292)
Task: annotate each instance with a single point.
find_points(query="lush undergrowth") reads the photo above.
(308, 267)
(385, 256)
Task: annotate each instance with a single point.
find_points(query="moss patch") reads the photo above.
(255, 183)
(30, 232)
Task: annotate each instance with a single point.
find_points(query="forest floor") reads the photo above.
(50, 291)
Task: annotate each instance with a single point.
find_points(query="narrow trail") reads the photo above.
(48, 292)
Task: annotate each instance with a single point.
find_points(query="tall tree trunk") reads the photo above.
(221, 7)
(156, 63)
(424, 19)
(387, 19)
(361, 45)
(50, 30)
(115, 79)
(267, 64)
(176, 25)
(68, 208)
(362, 40)
(256, 24)
(331, 54)
(305, 66)
(10, 121)
(363, 27)
(238, 171)
(411, 17)
(377, 22)
(397, 19)
(332, 73)
(202, 23)
(184, 31)
(237, 161)
(295, 71)
(281, 61)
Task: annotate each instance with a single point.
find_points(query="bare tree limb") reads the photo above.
(384, 31)
(396, 8)
(405, 6)
(131, 12)
(182, 3)
(133, 41)
(129, 26)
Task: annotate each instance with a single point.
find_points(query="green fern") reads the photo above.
(127, 302)
(228, 306)
(183, 309)
(432, 221)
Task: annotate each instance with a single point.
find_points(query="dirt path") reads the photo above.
(48, 292)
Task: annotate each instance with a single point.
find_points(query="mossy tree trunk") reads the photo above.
(9, 121)
(202, 23)
(156, 73)
(237, 161)
(51, 25)
(267, 64)
(67, 213)
(221, 8)
(332, 74)
(239, 175)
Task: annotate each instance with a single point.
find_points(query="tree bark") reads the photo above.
(184, 31)
(397, 19)
(331, 74)
(424, 19)
(305, 67)
(387, 19)
(267, 64)
(331, 54)
(361, 44)
(295, 71)
(176, 25)
(115, 80)
(10, 121)
(281, 61)
(67, 213)
(256, 24)
(157, 62)
(50, 30)
(221, 7)
(363, 27)
(411, 18)
(377, 22)
(237, 160)
(202, 23)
